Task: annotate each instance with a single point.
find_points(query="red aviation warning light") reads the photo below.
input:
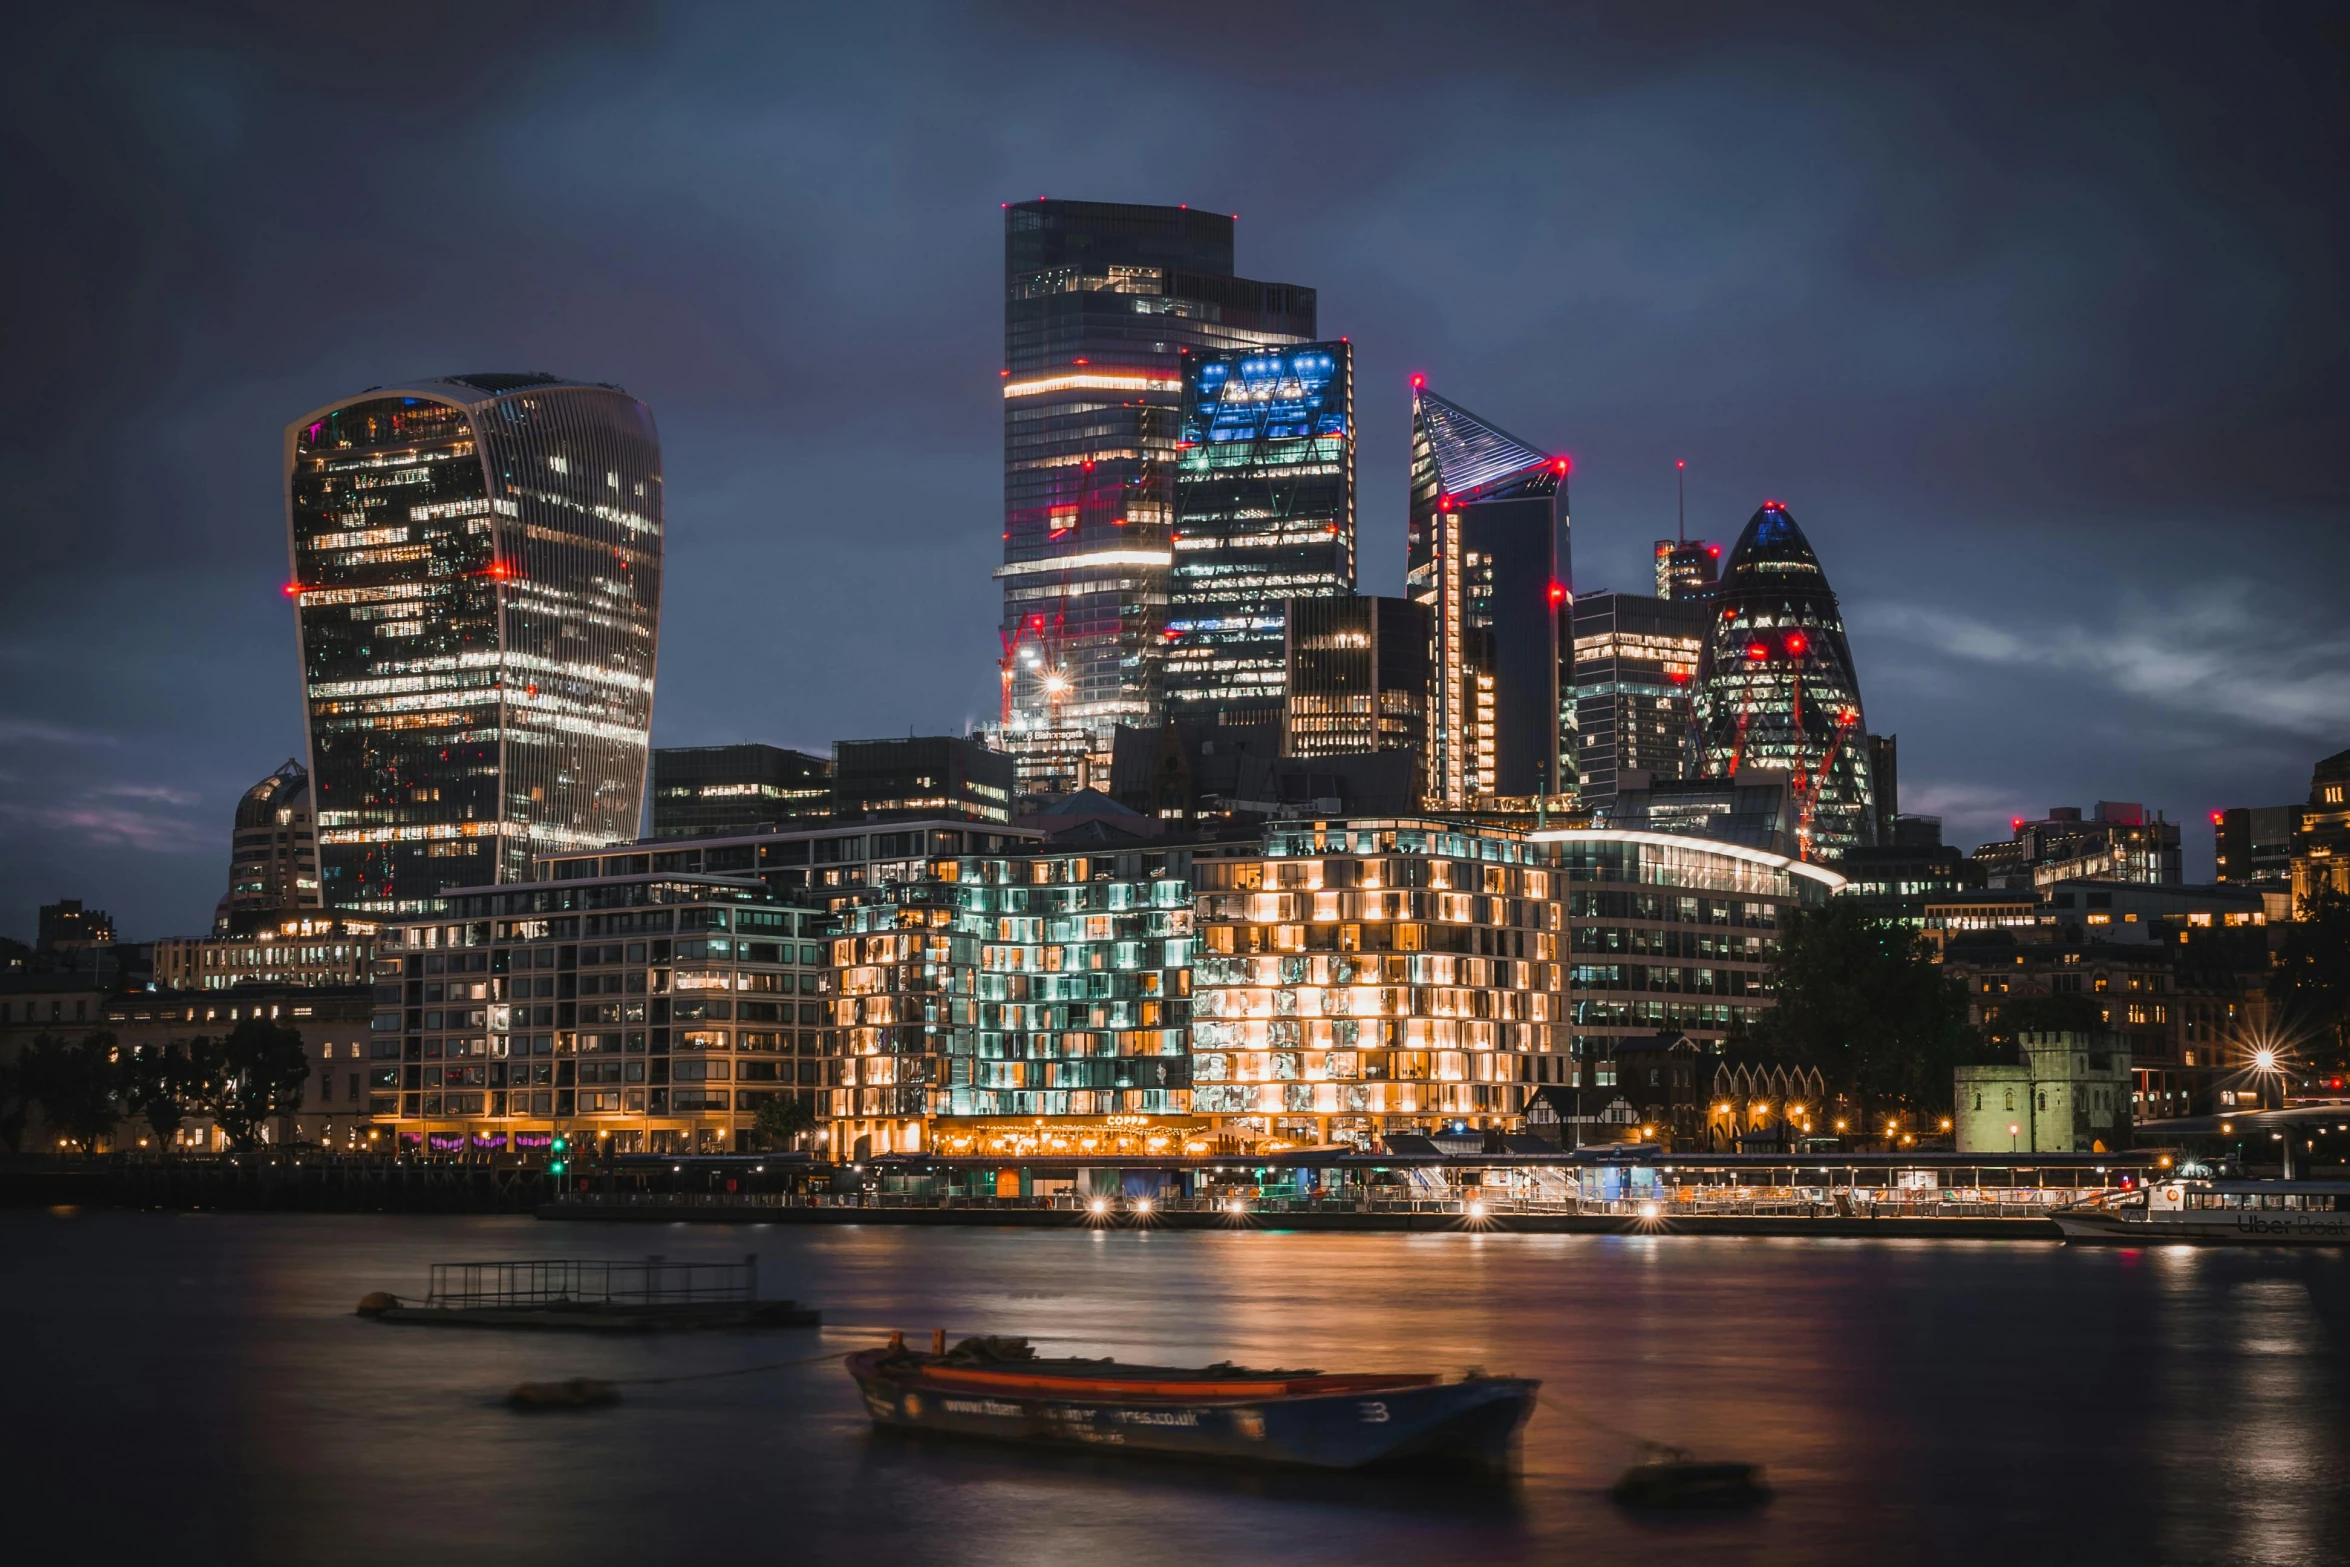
(294, 590)
(2217, 817)
(1419, 381)
(2015, 824)
(1713, 549)
(1558, 594)
(1797, 642)
(1755, 650)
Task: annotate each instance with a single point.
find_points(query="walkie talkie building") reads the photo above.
(477, 590)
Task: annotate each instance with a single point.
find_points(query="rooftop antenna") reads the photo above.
(1681, 498)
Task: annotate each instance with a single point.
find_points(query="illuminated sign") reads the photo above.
(1280, 394)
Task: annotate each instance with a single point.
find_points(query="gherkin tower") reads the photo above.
(1776, 690)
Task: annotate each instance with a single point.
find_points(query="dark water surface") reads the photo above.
(194, 1388)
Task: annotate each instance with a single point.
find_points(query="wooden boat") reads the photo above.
(2222, 1213)
(998, 1389)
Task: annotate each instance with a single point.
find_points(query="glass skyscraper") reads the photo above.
(1776, 690)
(1101, 302)
(1264, 513)
(477, 584)
(1489, 558)
(1635, 661)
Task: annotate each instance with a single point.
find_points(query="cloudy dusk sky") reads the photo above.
(2036, 320)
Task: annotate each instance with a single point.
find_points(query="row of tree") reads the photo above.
(1861, 998)
(85, 1088)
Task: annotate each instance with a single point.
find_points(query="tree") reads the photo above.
(784, 1119)
(263, 1069)
(2059, 1012)
(15, 1103)
(2310, 985)
(165, 1083)
(76, 1084)
(1860, 998)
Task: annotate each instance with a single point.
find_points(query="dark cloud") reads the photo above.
(2034, 317)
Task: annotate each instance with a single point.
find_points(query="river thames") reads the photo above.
(195, 1388)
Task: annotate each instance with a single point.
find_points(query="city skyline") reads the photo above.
(1906, 387)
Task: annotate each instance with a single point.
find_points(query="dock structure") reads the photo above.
(1618, 1189)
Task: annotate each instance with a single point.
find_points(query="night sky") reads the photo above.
(2038, 327)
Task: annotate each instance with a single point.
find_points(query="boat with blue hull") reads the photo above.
(999, 1390)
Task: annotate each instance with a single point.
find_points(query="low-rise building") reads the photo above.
(2067, 1093)
(1365, 976)
(2118, 841)
(310, 948)
(654, 1011)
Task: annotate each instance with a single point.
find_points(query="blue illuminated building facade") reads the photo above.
(1264, 513)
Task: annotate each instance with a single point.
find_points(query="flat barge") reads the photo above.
(571, 1295)
(998, 1390)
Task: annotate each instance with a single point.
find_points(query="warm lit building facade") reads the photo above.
(1488, 557)
(1264, 513)
(651, 1011)
(2321, 837)
(314, 948)
(1776, 688)
(1102, 301)
(477, 582)
(1366, 976)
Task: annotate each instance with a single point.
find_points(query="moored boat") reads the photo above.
(998, 1389)
(2223, 1213)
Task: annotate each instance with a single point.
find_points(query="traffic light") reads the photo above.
(559, 1163)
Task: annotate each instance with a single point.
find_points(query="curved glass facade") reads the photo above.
(477, 581)
(1776, 690)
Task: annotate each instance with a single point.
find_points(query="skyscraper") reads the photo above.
(1358, 677)
(477, 582)
(1635, 662)
(1101, 302)
(1264, 513)
(273, 853)
(1685, 568)
(1776, 687)
(1489, 558)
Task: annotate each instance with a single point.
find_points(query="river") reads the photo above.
(194, 1388)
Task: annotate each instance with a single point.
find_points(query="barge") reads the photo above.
(998, 1389)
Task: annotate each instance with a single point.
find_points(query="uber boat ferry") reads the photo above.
(997, 1388)
(2227, 1213)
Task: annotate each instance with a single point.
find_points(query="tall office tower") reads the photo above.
(701, 790)
(1635, 660)
(1776, 688)
(1101, 302)
(2253, 844)
(1358, 676)
(1685, 568)
(273, 852)
(477, 582)
(1489, 557)
(1264, 513)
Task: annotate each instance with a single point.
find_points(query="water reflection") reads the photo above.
(1955, 1401)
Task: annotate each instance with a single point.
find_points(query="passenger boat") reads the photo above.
(999, 1389)
(2226, 1213)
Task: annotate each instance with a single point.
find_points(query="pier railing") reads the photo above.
(1798, 1203)
(573, 1281)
